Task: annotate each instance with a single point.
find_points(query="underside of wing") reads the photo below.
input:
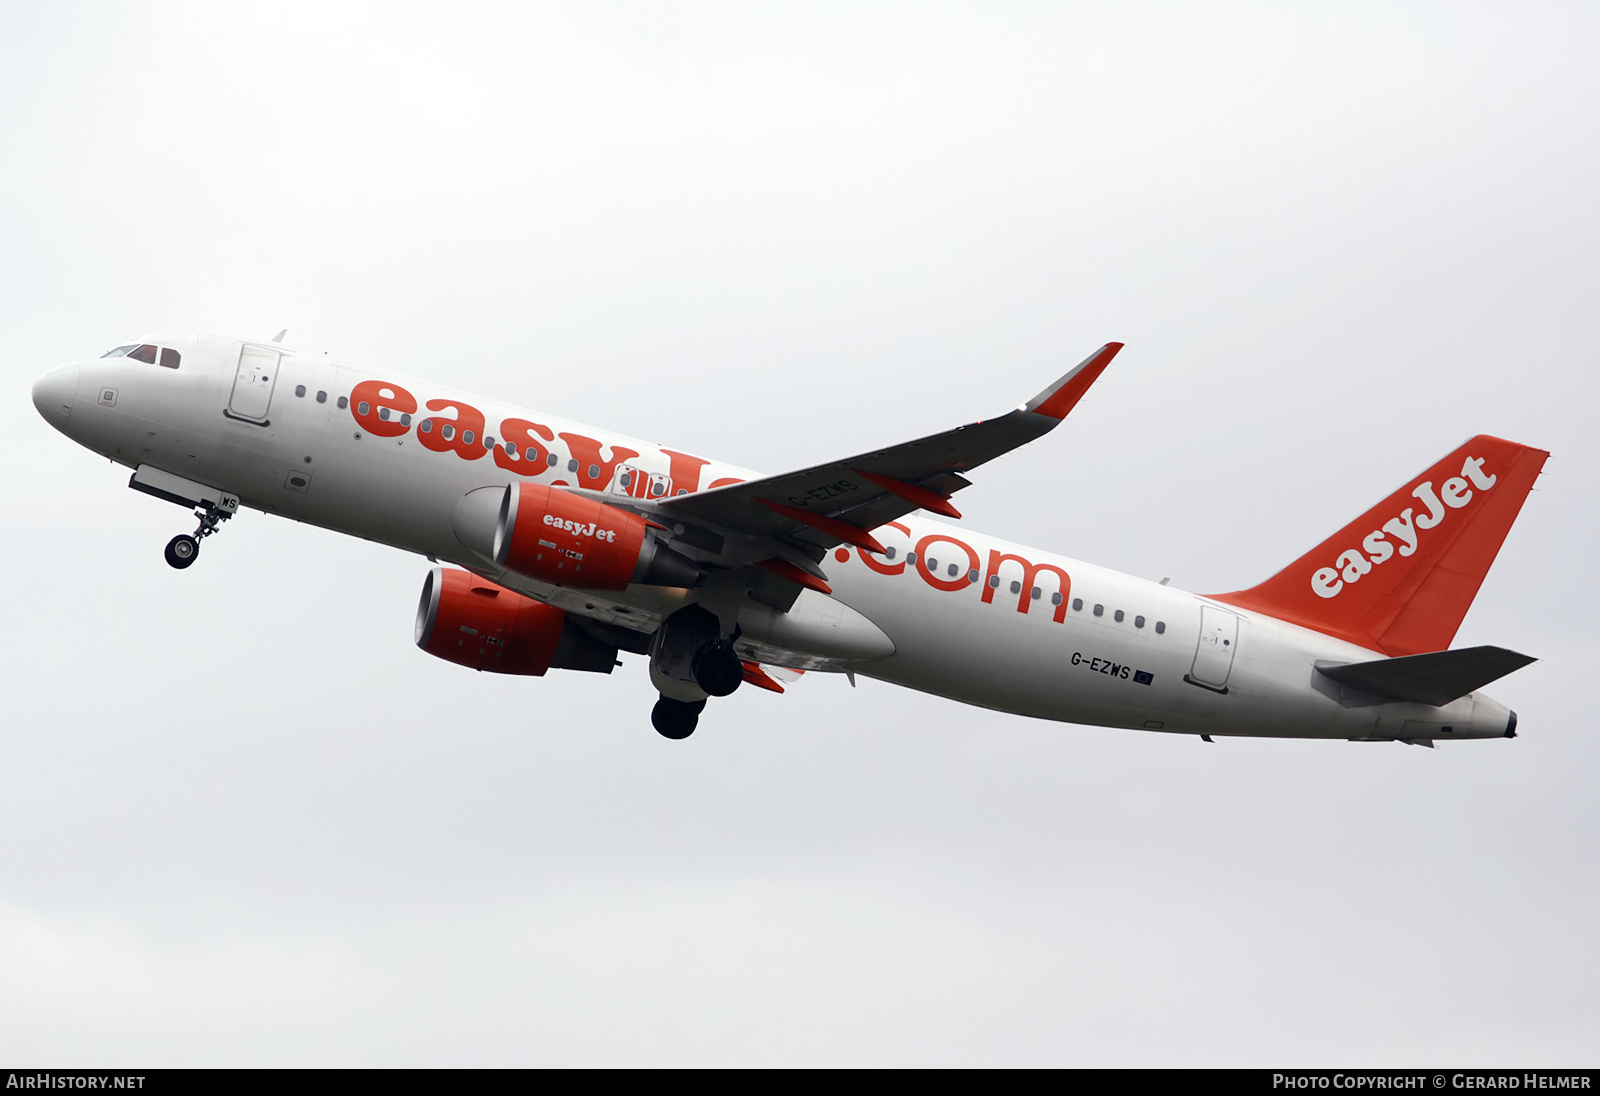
(842, 501)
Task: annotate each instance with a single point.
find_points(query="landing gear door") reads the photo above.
(253, 383)
(1213, 654)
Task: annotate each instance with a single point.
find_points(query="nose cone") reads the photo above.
(53, 394)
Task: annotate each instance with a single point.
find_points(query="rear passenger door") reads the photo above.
(1213, 655)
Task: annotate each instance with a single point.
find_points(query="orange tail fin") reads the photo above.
(1400, 577)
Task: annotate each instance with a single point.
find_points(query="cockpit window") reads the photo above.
(144, 353)
(169, 357)
(120, 351)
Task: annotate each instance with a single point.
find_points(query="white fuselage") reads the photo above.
(1031, 632)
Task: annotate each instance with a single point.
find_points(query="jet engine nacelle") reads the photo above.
(474, 622)
(567, 539)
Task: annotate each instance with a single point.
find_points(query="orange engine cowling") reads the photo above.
(568, 539)
(473, 622)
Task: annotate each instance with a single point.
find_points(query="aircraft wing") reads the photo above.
(844, 500)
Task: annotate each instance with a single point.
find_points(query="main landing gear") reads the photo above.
(717, 668)
(183, 549)
(690, 660)
(676, 719)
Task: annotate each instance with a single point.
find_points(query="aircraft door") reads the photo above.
(253, 384)
(635, 481)
(1213, 655)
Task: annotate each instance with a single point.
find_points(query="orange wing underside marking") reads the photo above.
(789, 572)
(917, 496)
(755, 675)
(833, 527)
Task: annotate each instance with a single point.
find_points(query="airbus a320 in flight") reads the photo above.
(570, 545)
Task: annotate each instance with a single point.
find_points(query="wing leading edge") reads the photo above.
(844, 500)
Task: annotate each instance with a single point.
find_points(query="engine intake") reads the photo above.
(570, 540)
(474, 622)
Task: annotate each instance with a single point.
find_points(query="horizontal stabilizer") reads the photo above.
(1436, 678)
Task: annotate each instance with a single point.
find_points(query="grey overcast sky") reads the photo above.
(245, 821)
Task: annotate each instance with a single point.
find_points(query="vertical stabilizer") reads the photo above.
(1400, 578)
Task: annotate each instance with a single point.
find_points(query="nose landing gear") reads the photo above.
(183, 549)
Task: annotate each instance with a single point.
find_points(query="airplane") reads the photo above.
(559, 546)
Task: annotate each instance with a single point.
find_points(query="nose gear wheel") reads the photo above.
(183, 549)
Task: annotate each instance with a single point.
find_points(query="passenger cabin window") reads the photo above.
(1161, 626)
(145, 353)
(169, 357)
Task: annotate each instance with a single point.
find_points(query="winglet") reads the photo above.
(1060, 398)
